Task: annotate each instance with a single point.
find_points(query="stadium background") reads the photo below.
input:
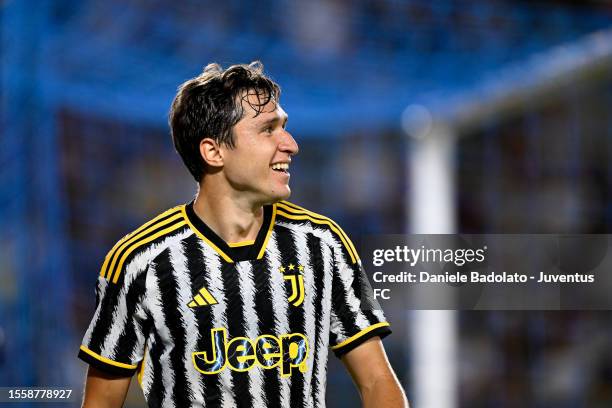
(514, 96)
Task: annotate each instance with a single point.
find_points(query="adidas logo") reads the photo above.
(203, 298)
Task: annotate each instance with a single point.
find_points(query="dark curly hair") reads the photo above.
(210, 104)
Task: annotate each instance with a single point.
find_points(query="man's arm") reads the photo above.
(103, 390)
(374, 377)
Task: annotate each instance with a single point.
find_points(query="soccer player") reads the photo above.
(234, 299)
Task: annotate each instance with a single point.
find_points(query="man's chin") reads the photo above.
(277, 196)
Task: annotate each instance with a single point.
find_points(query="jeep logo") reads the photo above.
(242, 354)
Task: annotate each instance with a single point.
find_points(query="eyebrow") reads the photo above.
(283, 118)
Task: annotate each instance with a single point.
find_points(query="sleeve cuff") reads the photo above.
(105, 364)
(381, 330)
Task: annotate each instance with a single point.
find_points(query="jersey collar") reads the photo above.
(246, 251)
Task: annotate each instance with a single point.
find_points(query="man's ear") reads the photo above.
(211, 152)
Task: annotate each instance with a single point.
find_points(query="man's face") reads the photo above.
(258, 165)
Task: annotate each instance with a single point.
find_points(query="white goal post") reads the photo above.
(431, 207)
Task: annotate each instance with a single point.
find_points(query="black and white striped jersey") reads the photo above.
(204, 323)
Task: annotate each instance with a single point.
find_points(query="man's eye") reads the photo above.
(268, 129)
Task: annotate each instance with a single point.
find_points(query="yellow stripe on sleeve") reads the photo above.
(140, 243)
(297, 208)
(107, 360)
(129, 237)
(134, 240)
(318, 221)
(360, 334)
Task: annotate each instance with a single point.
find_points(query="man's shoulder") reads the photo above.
(295, 214)
(144, 243)
(161, 224)
(301, 218)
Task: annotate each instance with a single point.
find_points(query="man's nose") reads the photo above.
(288, 144)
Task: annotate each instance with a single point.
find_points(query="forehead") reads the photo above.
(254, 111)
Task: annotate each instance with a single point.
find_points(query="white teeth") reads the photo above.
(280, 166)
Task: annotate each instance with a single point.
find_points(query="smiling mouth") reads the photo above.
(281, 167)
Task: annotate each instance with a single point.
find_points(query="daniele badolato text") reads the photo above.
(423, 256)
(479, 277)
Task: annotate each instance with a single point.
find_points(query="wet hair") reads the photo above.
(210, 104)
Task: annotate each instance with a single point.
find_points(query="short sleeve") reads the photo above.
(115, 339)
(356, 316)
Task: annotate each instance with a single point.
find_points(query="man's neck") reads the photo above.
(233, 219)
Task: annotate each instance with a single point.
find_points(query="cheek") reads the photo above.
(249, 169)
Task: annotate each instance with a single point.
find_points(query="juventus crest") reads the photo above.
(294, 274)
